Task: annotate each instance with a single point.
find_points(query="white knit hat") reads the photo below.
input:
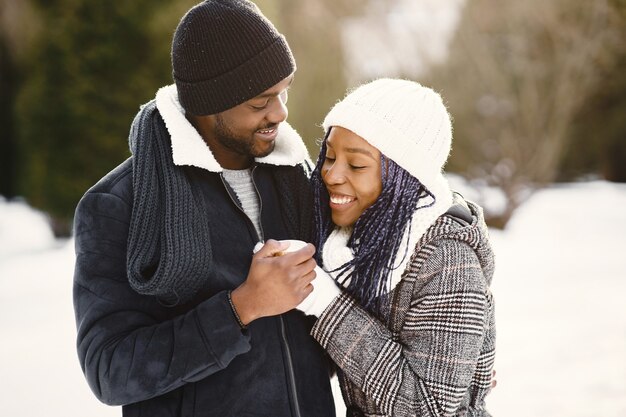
(406, 121)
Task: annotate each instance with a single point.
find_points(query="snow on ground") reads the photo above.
(560, 290)
(560, 285)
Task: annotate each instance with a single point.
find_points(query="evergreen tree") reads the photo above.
(18, 27)
(8, 81)
(95, 62)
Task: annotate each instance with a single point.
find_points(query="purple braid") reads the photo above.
(377, 234)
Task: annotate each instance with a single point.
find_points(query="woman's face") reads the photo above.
(352, 175)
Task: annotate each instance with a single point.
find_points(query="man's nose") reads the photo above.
(278, 112)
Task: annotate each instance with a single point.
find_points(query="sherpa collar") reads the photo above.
(188, 147)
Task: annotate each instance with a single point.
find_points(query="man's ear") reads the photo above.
(205, 125)
(201, 121)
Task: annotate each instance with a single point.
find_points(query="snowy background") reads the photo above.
(560, 290)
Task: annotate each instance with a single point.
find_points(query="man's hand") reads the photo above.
(325, 290)
(275, 284)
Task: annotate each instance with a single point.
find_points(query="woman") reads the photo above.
(412, 329)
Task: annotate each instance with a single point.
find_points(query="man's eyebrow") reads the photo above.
(272, 94)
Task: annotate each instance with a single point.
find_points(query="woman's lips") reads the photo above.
(340, 201)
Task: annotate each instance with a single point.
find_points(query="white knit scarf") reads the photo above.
(336, 252)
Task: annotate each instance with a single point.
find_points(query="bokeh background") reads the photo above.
(537, 90)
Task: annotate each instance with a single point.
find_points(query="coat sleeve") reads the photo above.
(129, 348)
(427, 369)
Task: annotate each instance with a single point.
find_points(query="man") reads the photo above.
(175, 315)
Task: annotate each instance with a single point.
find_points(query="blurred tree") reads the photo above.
(94, 63)
(518, 74)
(598, 144)
(18, 26)
(8, 80)
(313, 30)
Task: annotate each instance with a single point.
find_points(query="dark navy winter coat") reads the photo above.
(192, 359)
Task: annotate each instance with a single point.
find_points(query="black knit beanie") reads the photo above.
(225, 52)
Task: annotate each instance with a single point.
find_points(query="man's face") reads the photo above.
(247, 131)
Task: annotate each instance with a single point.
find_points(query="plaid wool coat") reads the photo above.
(433, 355)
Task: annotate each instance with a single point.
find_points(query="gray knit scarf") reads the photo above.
(169, 250)
(169, 246)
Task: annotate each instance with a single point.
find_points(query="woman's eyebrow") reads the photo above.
(361, 151)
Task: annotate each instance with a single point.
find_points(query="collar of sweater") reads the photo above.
(188, 147)
(336, 252)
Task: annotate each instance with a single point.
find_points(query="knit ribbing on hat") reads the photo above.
(225, 52)
(407, 122)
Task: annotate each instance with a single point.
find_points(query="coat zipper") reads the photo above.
(291, 375)
(258, 194)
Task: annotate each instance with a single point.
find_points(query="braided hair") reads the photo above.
(377, 234)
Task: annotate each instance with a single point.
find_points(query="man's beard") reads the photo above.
(239, 144)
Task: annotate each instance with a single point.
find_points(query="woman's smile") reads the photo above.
(341, 200)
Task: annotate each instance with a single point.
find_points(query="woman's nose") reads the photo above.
(334, 175)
